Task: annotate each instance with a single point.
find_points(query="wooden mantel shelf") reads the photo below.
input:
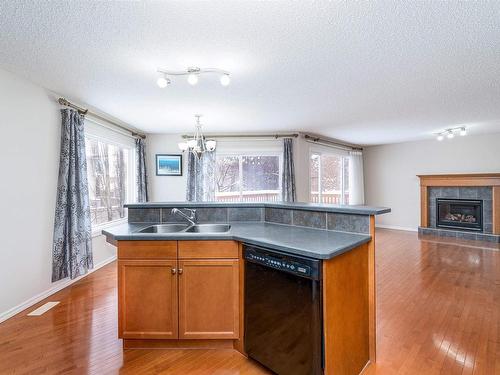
(458, 180)
(468, 179)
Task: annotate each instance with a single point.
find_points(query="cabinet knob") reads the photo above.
(180, 271)
(174, 271)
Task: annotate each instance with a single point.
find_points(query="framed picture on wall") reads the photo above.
(168, 164)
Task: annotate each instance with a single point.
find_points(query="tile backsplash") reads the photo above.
(305, 218)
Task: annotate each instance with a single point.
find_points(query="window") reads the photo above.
(329, 178)
(110, 173)
(248, 178)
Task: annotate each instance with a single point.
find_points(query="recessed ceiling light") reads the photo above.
(440, 137)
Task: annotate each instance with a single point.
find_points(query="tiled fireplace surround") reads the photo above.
(487, 194)
(470, 192)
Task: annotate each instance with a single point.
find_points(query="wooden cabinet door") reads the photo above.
(147, 299)
(209, 299)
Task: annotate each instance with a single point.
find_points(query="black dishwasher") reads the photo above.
(283, 318)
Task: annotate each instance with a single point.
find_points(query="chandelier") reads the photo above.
(198, 145)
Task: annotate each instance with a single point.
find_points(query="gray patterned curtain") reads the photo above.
(288, 193)
(141, 175)
(72, 248)
(201, 178)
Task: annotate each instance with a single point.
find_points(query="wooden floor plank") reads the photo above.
(438, 312)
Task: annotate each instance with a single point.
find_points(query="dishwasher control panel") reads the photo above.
(292, 264)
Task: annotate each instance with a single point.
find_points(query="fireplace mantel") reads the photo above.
(460, 180)
(470, 179)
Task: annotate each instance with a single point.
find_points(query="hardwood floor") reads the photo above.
(438, 312)
(438, 306)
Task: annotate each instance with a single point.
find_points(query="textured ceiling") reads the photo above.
(365, 72)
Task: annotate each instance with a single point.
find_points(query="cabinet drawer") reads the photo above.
(147, 249)
(208, 249)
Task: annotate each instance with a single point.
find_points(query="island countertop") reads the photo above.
(309, 242)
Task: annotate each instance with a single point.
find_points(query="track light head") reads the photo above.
(162, 82)
(225, 80)
(192, 79)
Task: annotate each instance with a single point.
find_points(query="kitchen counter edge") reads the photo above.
(313, 243)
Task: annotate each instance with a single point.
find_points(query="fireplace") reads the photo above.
(466, 214)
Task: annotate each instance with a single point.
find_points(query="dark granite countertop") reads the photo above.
(348, 209)
(313, 243)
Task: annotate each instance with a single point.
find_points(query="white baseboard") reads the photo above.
(64, 284)
(408, 229)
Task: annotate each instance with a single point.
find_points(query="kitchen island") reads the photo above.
(185, 289)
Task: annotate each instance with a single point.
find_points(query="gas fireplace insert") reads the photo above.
(466, 214)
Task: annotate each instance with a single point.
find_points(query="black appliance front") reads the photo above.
(283, 319)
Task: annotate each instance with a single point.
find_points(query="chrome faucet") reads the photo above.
(191, 217)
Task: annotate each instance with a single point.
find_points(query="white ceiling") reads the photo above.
(364, 72)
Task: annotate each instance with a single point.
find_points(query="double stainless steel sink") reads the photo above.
(183, 228)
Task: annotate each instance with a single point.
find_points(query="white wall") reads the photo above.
(165, 188)
(390, 171)
(173, 188)
(29, 158)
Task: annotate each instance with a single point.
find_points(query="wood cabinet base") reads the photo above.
(177, 344)
(184, 294)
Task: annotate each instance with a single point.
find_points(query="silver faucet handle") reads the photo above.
(191, 217)
(191, 212)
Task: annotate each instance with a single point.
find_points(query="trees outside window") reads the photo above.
(109, 172)
(329, 178)
(248, 178)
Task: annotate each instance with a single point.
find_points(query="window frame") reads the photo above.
(108, 137)
(320, 152)
(240, 156)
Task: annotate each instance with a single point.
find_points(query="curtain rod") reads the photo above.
(275, 136)
(327, 142)
(85, 111)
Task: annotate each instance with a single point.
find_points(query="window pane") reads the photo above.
(261, 178)
(107, 170)
(227, 179)
(314, 176)
(260, 173)
(331, 179)
(346, 180)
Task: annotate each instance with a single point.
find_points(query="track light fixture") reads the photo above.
(193, 75)
(450, 133)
